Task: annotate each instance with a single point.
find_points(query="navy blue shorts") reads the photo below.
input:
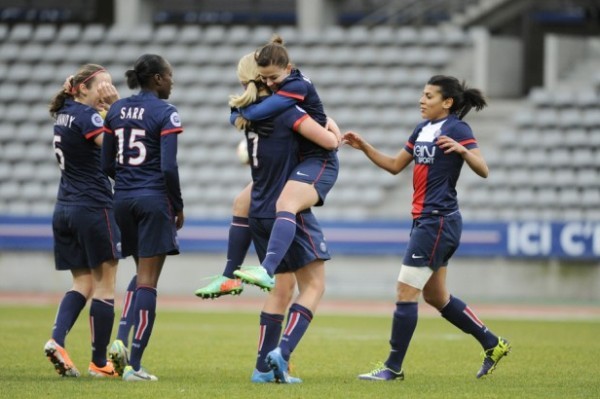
(308, 245)
(147, 226)
(319, 172)
(84, 237)
(433, 240)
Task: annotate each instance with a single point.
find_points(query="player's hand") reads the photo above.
(354, 140)
(108, 94)
(179, 219)
(450, 145)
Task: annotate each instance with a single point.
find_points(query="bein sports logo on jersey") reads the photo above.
(424, 154)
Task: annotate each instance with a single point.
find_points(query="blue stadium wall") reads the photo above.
(577, 240)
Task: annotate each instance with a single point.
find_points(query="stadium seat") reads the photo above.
(28, 132)
(565, 178)
(540, 97)
(9, 92)
(588, 177)
(586, 98)
(23, 171)
(41, 208)
(32, 52)
(38, 152)
(238, 35)
(358, 36)
(407, 36)
(18, 208)
(261, 35)
(93, 33)
(68, 33)
(546, 197)
(590, 198)
(214, 35)
(189, 35)
(21, 33)
(384, 35)
(591, 118)
(454, 37)
(546, 118)
(5, 172)
(44, 33)
(430, 36)
(56, 53)
(165, 34)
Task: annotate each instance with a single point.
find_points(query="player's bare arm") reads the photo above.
(394, 165)
(472, 157)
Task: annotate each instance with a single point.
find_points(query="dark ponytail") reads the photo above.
(464, 98)
(144, 69)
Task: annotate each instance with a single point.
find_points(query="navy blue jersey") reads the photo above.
(140, 147)
(82, 181)
(294, 89)
(435, 173)
(272, 159)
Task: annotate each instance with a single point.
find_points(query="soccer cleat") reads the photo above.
(141, 375)
(382, 373)
(119, 356)
(107, 371)
(280, 367)
(492, 356)
(256, 275)
(60, 359)
(220, 285)
(260, 377)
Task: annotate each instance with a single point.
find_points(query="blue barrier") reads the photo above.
(569, 240)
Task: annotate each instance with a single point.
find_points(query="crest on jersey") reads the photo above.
(175, 119)
(97, 120)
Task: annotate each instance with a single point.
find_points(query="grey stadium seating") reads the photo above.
(369, 79)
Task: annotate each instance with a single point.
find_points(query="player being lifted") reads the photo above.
(307, 186)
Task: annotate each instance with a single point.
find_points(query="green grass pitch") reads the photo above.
(211, 355)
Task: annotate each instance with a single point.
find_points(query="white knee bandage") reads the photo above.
(415, 276)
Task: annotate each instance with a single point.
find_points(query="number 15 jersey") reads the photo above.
(140, 147)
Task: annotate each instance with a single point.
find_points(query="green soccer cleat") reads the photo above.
(382, 373)
(256, 275)
(141, 375)
(492, 356)
(119, 356)
(219, 286)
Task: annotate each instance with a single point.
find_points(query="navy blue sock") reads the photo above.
(237, 245)
(403, 327)
(270, 329)
(68, 312)
(299, 319)
(127, 318)
(282, 236)
(102, 317)
(145, 312)
(458, 313)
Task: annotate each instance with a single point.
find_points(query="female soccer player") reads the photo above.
(273, 146)
(439, 146)
(140, 151)
(307, 186)
(86, 237)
